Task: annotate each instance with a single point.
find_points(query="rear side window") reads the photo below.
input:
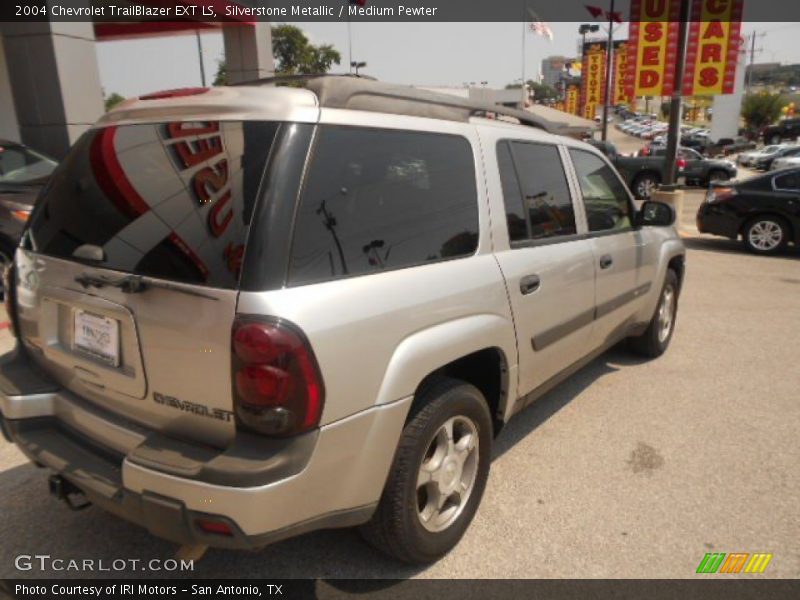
(167, 200)
(789, 182)
(376, 200)
(535, 190)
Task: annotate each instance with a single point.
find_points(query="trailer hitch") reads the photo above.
(66, 491)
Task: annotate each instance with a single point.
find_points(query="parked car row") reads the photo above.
(765, 158)
(643, 127)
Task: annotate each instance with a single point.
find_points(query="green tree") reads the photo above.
(112, 100)
(221, 78)
(540, 91)
(760, 110)
(294, 54)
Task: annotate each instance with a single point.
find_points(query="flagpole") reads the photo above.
(524, 98)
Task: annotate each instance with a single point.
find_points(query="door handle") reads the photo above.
(606, 261)
(529, 284)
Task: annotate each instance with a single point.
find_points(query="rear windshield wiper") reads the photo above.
(135, 284)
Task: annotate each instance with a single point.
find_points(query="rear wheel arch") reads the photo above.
(486, 369)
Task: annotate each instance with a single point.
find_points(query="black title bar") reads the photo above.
(233, 11)
(700, 588)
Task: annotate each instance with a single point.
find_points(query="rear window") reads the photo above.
(167, 200)
(377, 200)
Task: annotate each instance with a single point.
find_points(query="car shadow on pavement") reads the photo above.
(542, 409)
(728, 246)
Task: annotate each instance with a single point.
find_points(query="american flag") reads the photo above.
(539, 27)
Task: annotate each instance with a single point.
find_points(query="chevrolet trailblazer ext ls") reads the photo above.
(244, 313)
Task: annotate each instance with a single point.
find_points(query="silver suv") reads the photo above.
(245, 313)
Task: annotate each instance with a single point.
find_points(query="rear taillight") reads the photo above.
(720, 194)
(681, 164)
(276, 381)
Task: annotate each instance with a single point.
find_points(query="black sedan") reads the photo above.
(23, 172)
(764, 210)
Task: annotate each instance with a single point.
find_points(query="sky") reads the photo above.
(432, 54)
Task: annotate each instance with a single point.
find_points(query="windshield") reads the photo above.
(169, 200)
(21, 165)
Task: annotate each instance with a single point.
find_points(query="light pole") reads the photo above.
(357, 65)
(674, 131)
(200, 54)
(609, 52)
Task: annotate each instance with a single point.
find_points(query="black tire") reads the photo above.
(644, 184)
(767, 223)
(774, 140)
(396, 527)
(651, 343)
(7, 250)
(717, 175)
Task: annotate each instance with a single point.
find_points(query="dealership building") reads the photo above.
(50, 89)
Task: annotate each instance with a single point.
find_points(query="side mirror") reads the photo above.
(656, 214)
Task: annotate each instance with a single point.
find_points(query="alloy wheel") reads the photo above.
(666, 313)
(645, 187)
(447, 474)
(765, 235)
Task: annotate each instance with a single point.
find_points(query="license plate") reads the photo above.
(98, 336)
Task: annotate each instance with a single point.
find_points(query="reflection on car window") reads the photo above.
(789, 182)
(170, 200)
(376, 200)
(22, 165)
(604, 197)
(535, 188)
(512, 195)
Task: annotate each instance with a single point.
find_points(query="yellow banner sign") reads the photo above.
(713, 47)
(594, 79)
(620, 89)
(571, 103)
(652, 46)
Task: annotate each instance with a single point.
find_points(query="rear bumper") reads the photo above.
(715, 220)
(264, 490)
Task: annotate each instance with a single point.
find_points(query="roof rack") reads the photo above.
(357, 92)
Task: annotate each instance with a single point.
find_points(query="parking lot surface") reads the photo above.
(629, 469)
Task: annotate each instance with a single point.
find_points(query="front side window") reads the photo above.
(376, 200)
(535, 191)
(604, 197)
